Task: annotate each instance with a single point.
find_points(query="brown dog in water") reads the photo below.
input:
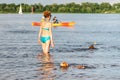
(66, 65)
(91, 47)
(80, 67)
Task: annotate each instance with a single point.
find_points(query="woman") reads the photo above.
(45, 34)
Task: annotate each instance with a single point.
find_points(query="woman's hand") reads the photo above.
(39, 42)
(52, 44)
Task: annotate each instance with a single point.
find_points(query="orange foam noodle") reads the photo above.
(68, 23)
(35, 23)
(64, 24)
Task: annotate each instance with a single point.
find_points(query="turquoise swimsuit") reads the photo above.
(44, 39)
(46, 29)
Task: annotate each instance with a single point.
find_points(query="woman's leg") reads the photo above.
(46, 47)
(43, 47)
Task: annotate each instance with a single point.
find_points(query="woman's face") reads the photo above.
(50, 17)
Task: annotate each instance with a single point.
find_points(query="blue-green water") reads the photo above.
(19, 48)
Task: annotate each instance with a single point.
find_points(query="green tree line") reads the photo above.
(85, 7)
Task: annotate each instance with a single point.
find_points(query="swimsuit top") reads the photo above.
(46, 29)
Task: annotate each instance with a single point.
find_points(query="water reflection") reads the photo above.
(46, 68)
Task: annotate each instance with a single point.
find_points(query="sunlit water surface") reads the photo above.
(19, 48)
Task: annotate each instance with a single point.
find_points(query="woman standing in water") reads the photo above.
(45, 34)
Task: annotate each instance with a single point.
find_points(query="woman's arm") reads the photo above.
(51, 37)
(40, 31)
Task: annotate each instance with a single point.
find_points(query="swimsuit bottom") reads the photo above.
(44, 39)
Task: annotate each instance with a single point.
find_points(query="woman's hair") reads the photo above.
(46, 14)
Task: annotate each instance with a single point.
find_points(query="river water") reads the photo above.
(19, 49)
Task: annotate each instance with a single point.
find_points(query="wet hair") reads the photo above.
(46, 14)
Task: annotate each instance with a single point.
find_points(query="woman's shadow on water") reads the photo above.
(46, 67)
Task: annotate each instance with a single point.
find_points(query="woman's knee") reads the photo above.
(46, 47)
